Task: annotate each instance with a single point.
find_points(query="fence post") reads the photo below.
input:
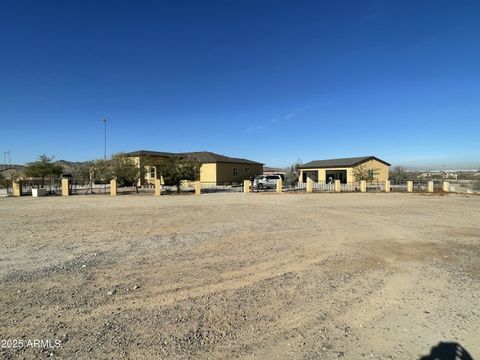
(363, 186)
(17, 187)
(113, 187)
(446, 186)
(158, 187)
(338, 185)
(387, 185)
(247, 186)
(309, 185)
(409, 186)
(430, 186)
(65, 187)
(198, 188)
(279, 185)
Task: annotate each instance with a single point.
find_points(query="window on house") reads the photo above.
(247, 170)
(152, 172)
(370, 174)
(235, 171)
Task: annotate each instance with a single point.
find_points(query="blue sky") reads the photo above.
(272, 81)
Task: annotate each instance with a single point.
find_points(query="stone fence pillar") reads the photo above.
(409, 186)
(113, 187)
(387, 185)
(17, 187)
(430, 186)
(309, 185)
(363, 186)
(65, 187)
(338, 186)
(446, 186)
(198, 188)
(279, 185)
(247, 186)
(158, 187)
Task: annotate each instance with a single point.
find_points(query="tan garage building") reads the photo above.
(215, 169)
(344, 169)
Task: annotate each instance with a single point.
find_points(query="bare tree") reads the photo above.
(362, 172)
(292, 174)
(84, 174)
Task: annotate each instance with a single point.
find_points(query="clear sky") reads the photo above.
(272, 81)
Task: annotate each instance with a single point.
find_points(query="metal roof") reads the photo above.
(200, 156)
(343, 162)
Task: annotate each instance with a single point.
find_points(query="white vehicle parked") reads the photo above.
(266, 181)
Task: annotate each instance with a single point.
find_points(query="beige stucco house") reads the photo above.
(343, 169)
(215, 169)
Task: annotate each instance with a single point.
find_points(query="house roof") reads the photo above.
(343, 162)
(200, 156)
(149, 153)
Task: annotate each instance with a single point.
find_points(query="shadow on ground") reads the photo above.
(448, 351)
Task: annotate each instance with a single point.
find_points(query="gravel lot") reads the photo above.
(221, 276)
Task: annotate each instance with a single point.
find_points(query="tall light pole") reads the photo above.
(105, 139)
(105, 150)
(5, 165)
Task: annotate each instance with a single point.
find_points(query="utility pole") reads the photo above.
(5, 165)
(105, 150)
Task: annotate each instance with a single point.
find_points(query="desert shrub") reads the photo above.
(292, 174)
(43, 168)
(176, 170)
(124, 170)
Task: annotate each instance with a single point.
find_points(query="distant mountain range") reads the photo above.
(16, 169)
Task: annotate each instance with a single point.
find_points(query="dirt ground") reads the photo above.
(251, 276)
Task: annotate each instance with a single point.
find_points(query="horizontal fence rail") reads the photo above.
(375, 186)
(350, 187)
(323, 186)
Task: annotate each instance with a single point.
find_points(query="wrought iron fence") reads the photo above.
(213, 187)
(375, 186)
(323, 186)
(420, 186)
(350, 187)
(398, 186)
(299, 186)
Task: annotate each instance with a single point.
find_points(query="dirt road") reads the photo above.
(256, 276)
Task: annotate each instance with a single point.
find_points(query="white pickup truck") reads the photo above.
(266, 181)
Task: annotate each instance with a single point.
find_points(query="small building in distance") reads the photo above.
(273, 171)
(343, 169)
(215, 169)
